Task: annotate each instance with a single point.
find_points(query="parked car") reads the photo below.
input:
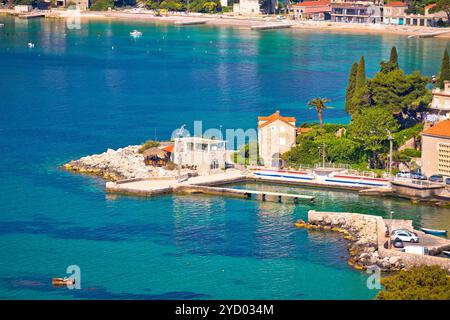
(406, 236)
(416, 250)
(398, 243)
(403, 230)
(447, 181)
(436, 178)
(418, 176)
(404, 174)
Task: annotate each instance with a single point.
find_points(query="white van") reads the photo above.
(416, 250)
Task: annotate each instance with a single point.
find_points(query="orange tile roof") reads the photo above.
(430, 6)
(441, 129)
(312, 3)
(276, 116)
(303, 130)
(396, 4)
(169, 148)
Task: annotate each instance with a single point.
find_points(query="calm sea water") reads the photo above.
(79, 92)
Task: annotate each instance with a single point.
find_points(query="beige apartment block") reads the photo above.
(276, 135)
(436, 149)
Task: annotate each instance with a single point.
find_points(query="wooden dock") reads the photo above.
(271, 26)
(190, 22)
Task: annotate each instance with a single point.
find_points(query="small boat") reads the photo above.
(411, 36)
(30, 45)
(135, 33)
(447, 253)
(58, 282)
(435, 232)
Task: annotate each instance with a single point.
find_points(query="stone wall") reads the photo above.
(368, 239)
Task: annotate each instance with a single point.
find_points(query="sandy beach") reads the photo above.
(246, 22)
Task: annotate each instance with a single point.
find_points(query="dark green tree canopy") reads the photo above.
(351, 89)
(395, 91)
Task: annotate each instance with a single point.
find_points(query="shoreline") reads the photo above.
(246, 22)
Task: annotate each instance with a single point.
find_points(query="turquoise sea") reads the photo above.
(79, 92)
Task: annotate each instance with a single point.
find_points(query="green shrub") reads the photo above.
(102, 5)
(421, 283)
(148, 144)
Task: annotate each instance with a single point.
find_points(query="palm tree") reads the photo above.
(319, 104)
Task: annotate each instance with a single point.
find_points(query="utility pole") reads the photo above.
(323, 156)
(180, 133)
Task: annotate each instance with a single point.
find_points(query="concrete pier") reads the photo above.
(270, 26)
(190, 22)
(31, 15)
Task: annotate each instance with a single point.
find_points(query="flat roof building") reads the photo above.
(436, 149)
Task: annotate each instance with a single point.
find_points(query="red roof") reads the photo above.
(276, 116)
(441, 129)
(303, 130)
(396, 4)
(430, 6)
(169, 148)
(313, 3)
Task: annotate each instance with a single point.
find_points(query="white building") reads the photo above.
(205, 154)
(440, 105)
(247, 7)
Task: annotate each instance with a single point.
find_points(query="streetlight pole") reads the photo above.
(391, 140)
(323, 156)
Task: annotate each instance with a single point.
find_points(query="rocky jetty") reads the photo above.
(123, 163)
(362, 233)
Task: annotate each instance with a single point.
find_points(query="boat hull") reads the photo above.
(434, 232)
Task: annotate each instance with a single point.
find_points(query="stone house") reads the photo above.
(394, 12)
(314, 10)
(440, 105)
(276, 135)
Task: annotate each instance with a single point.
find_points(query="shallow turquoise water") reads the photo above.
(74, 95)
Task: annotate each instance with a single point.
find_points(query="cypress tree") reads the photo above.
(359, 98)
(445, 69)
(351, 88)
(394, 57)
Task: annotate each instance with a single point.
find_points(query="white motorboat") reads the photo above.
(135, 34)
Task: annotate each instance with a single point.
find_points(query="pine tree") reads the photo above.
(394, 57)
(445, 70)
(392, 64)
(359, 99)
(351, 89)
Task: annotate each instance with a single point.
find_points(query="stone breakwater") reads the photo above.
(120, 164)
(362, 233)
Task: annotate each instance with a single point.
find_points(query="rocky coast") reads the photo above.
(362, 233)
(123, 163)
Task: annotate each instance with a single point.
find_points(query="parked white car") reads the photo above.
(405, 236)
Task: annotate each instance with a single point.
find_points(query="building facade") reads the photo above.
(311, 10)
(436, 149)
(276, 135)
(394, 13)
(440, 105)
(204, 154)
(247, 7)
(360, 11)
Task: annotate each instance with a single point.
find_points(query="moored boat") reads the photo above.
(434, 231)
(56, 282)
(447, 253)
(135, 33)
